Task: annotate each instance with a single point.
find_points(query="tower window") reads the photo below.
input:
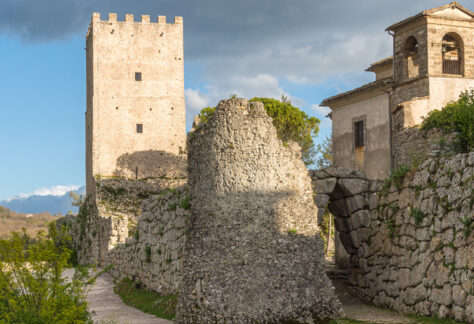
(411, 64)
(139, 128)
(359, 133)
(452, 54)
(138, 76)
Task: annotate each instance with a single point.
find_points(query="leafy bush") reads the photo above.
(33, 288)
(457, 117)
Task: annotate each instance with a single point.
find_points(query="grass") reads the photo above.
(415, 319)
(147, 301)
(346, 321)
(429, 320)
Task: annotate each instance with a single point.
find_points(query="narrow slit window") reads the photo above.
(139, 128)
(138, 76)
(359, 134)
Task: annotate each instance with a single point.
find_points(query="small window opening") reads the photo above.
(139, 128)
(411, 64)
(451, 55)
(359, 134)
(138, 76)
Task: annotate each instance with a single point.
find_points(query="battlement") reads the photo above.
(129, 18)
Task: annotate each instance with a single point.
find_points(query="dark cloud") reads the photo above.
(300, 40)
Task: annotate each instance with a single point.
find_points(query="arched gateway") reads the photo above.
(346, 193)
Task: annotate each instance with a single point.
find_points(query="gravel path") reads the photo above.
(357, 310)
(109, 307)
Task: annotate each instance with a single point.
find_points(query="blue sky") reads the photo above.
(308, 50)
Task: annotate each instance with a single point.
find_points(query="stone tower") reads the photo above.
(135, 118)
(433, 62)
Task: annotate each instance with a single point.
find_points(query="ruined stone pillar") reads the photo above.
(254, 252)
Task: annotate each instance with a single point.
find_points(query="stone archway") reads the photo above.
(346, 194)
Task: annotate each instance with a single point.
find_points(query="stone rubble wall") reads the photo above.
(152, 255)
(412, 144)
(411, 244)
(254, 252)
(138, 226)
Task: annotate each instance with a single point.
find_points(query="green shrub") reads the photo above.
(33, 288)
(136, 234)
(148, 253)
(457, 117)
(468, 225)
(391, 227)
(185, 204)
(396, 178)
(417, 214)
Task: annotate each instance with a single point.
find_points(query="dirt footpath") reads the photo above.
(109, 307)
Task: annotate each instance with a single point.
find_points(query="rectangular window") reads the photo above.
(138, 76)
(359, 133)
(139, 128)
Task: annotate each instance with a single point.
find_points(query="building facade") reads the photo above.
(432, 63)
(135, 118)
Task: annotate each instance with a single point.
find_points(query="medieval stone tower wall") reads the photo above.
(135, 119)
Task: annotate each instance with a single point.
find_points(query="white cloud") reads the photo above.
(58, 190)
(195, 100)
(321, 110)
(260, 85)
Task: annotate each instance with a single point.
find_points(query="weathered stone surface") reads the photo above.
(325, 186)
(354, 186)
(253, 252)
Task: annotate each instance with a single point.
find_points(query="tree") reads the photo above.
(33, 288)
(291, 123)
(324, 153)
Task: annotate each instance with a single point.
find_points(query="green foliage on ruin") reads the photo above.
(396, 178)
(417, 214)
(456, 117)
(148, 254)
(468, 225)
(147, 301)
(33, 288)
(291, 123)
(391, 227)
(185, 203)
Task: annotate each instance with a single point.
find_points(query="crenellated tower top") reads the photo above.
(129, 18)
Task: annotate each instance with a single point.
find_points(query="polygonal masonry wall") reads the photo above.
(410, 240)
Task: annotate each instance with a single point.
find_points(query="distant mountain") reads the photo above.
(39, 204)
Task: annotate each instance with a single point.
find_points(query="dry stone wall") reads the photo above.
(152, 255)
(254, 252)
(410, 239)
